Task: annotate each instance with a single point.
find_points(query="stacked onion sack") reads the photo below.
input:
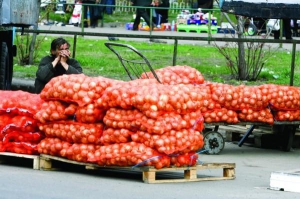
(69, 118)
(18, 129)
(284, 101)
(239, 103)
(163, 120)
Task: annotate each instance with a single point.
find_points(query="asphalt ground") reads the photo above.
(253, 170)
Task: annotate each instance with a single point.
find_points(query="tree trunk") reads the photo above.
(32, 44)
(242, 70)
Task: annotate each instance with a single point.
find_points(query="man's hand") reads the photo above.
(65, 53)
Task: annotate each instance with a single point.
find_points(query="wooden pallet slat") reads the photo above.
(149, 174)
(35, 158)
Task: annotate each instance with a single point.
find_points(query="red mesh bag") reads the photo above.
(21, 148)
(19, 102)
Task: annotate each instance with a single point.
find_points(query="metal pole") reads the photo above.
(293, 64)
(175, 52)
(74, 46)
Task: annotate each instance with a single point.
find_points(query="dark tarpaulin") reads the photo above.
(262, 10)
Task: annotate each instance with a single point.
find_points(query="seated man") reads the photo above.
(56, 64)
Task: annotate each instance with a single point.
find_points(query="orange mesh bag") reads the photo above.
(252, 97)
(172, 121)
(131, 154)
(135, 120)
(89, 114)
(221, 115)
(112, 136)
(287, 115)
(76, 88)
(250, 115)
(122, 118)
(73, 132)
(183, 141)
(177, 75)
(53, 146)
(227, 96)
(282, 97)
(52, 111)
(184, 160)
(208, 102)
(120, 94)
(81, 152)
(155, 100)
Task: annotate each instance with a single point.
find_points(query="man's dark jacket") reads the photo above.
(46, 71)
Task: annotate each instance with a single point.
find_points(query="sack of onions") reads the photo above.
(226, 95)
(221, 115)
(19, 102)
(82, 152)
(21, 147)
(250, 115)
(112, 136)
(73, 132)
(135, 120)
(52, 111)
(120, 93)
(89, 114)
(131, 154)
(185, 140)
(208, 102)
(283, 97)
(20, 136)
(153, 99)
(287, 115)
(184, 160)
(172, 121)
(53, 146)
(9, 123)
(253, 97)
(76, 88)
(122, 118)
(177, 75)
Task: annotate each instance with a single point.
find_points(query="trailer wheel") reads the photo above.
(213, 142)
(4, 61)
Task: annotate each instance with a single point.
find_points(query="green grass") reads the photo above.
(97, 60)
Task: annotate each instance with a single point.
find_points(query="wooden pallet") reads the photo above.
(149, 173)
(35, 158)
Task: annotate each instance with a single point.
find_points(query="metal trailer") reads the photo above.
(13, 13)
(214, 141)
